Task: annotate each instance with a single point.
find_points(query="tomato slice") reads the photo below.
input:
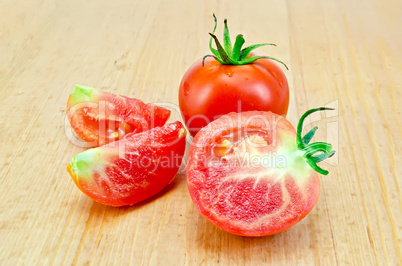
(245, 174)
(131, 169)
(100, 117)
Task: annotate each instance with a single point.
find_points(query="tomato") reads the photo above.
(131, 169)
(209, 91)
(231, 80)
(99, 117)
(252, 174)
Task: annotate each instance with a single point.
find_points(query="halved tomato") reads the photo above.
(132, 169)
(249, 174)
(99, 117)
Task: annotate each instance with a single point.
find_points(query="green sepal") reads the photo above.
(237, 47)
(210, 55)
(254, 58)
(223, 56)
(316, 167)
(315, 147)
(246, 51)
(227, 43)
(213, 50)
(321, 157)
(307, 138)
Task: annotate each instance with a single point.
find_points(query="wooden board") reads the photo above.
(345, 54)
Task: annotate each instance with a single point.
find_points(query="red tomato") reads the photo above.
(210, 91)
(231, 79)
(251, 174)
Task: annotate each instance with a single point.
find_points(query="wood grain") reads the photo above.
(345, 54)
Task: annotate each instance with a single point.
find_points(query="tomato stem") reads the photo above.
(227, 54)
(311, 149)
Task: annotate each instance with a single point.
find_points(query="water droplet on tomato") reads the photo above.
(229, 73)
(186, 87)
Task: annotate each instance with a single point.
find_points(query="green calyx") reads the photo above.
(309, 150)
(233, 55)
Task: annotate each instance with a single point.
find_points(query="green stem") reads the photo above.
(311, 149)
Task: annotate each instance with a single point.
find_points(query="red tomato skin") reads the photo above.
(210, 91)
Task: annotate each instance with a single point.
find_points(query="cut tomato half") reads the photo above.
(99, 117)
(247, 175)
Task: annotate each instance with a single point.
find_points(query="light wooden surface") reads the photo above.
(343, 53)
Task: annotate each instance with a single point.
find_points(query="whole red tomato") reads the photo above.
(231, 80)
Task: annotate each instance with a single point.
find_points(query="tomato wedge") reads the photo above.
(251, 174)
(99, 117)
(131, 169)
